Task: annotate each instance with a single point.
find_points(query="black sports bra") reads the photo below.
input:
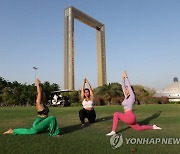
(44, 111)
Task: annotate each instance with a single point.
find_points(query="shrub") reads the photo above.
(162, 100)
(99, 101)
(115, 101)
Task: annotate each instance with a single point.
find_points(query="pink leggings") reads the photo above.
(130, 119)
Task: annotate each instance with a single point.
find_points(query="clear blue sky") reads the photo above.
(142, 36)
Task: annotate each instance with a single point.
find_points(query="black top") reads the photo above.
(44, 111)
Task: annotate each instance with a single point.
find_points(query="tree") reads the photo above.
(144, 95)
(109, 91)
(14, 93)
(7, 96)
(73, 96)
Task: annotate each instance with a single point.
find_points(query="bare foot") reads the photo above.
(10, 131)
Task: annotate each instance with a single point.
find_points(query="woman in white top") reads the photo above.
(87, 97)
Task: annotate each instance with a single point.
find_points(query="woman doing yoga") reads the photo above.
(42, 123)
(128, 116)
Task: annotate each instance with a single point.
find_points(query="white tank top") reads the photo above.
(87, 104)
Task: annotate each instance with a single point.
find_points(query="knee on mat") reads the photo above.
(115, 114)
(135, 127)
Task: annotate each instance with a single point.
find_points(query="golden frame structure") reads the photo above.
(70, 14)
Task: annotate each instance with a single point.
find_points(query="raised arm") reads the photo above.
(90, 89)
(39, 107)
(82, 89)
(127, 82)
(123, 81)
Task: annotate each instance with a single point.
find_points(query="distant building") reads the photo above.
(172, 91)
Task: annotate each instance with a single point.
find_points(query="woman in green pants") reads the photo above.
(43, 121)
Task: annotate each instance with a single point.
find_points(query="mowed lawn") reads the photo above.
(91, 138)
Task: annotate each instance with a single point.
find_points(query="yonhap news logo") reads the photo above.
(117, 141)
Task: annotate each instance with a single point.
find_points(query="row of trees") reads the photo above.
(112, 94)
(14, 93)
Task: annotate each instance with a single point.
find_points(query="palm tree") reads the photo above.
(109, 91)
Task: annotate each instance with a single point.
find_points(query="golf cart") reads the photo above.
(59, 98)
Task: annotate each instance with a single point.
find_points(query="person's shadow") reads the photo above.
(70, 129)
(143, 122)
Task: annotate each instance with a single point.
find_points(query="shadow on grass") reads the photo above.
(70, 129)
(143, 122)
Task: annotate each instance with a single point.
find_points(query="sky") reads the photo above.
(142, 37)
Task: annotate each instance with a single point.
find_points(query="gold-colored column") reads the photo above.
(71, 49)
(66, 16)
(101, 56)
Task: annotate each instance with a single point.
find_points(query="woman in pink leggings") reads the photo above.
(128, 116)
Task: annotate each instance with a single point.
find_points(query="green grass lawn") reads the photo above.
(91, 138)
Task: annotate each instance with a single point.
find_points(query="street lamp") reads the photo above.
(35, 68)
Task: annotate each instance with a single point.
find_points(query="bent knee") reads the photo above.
(116, 114)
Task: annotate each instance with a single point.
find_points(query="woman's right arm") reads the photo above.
(127, 82)
(39, 107)
(82, 89)
(123, 81)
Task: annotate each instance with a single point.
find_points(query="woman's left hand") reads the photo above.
(37, 82)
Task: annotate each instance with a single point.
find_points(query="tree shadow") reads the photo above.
(143, 122)
(70, 129)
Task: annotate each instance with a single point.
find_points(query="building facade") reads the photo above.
(172, 91)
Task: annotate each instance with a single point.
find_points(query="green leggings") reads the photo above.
(39, 125)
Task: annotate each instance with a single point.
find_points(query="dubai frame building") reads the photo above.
(70, 14)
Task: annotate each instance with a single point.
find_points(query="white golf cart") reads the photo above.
(59, 99)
